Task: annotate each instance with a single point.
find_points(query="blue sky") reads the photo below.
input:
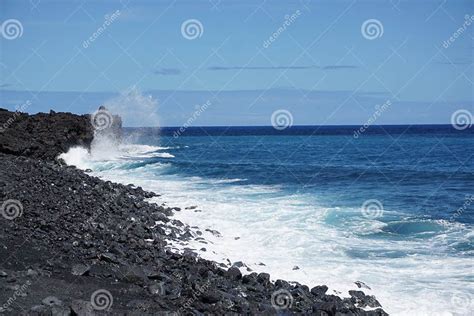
(320, 67)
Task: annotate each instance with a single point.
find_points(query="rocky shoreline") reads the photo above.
(73, 244)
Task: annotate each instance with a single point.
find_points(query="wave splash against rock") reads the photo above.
(83, 246)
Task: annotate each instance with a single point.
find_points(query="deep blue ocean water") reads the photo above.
(426, 171)
(392, 207)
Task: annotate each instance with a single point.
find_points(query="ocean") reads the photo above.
(391, 206)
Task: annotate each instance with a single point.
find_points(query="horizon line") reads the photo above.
(293, 126)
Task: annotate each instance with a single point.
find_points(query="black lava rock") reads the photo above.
(43, 135)
(234, 273)
(70, 247)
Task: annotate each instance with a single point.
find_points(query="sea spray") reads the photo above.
(315, 227)
(135, 108)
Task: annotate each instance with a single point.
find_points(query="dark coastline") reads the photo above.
(70, 235)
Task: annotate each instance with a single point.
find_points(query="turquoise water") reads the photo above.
(423, 172)
(392, 208)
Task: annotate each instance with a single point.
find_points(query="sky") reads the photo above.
(312, 58)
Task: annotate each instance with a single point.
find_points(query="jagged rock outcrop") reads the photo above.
(107, 124)
(73, 244)
(43, 135)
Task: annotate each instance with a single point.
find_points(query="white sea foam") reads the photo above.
(261, 224)
(106, 154)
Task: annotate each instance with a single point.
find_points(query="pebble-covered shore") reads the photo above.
(72, 244)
